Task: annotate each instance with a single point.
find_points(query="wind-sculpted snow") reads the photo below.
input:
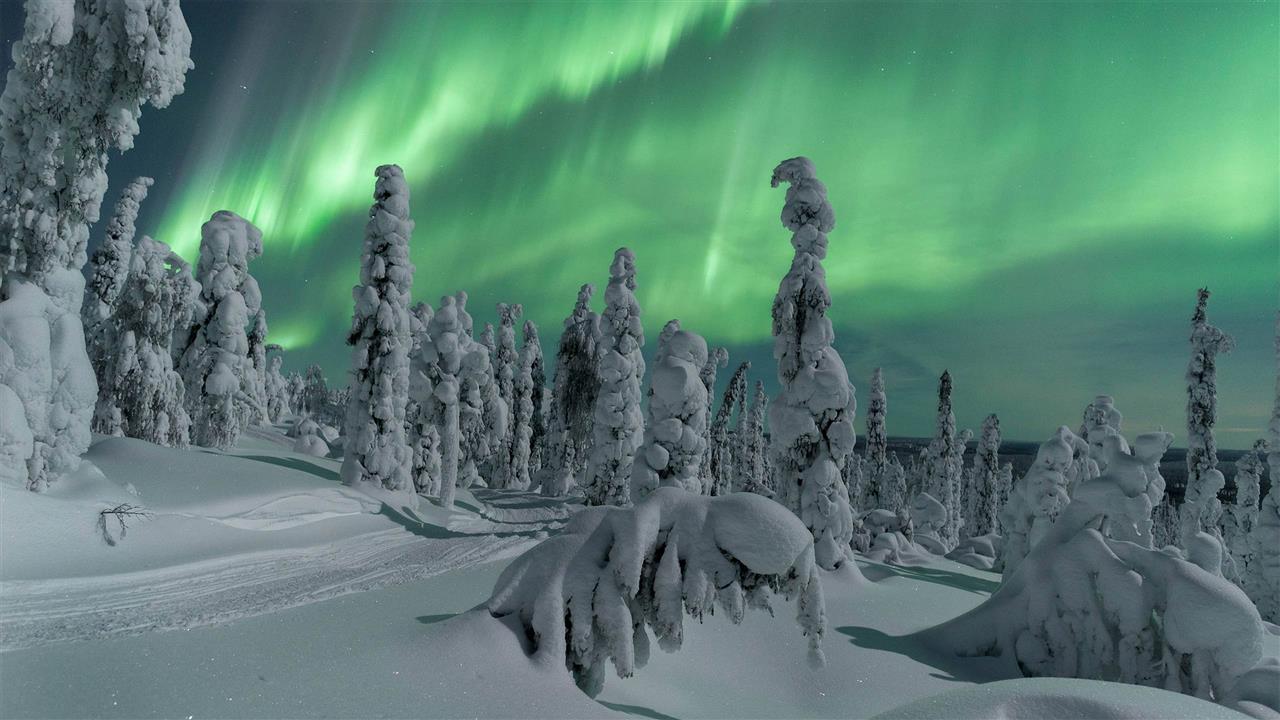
(593, 593)
(1092, 599)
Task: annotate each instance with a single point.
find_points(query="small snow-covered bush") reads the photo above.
(593, 593)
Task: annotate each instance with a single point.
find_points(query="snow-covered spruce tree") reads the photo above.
(675, 438)
(506, 363)
(81, 73)
(811, 420)
(256, 380)
(108, 269)
(1035, 500)
(315, 392)
(722, 451)
(1241, 514)
(938, 465)
(145, 389)
(1090, 602)
(445, 346)
(295, 386)
(424, 438)
(377, 451)
(956, 473)
(893, 487)
(1101, 419)
(753, 451)
(525, 411)
(1264, 539)
(983, 497)
(277, 387)
(573, 398)
(490, 342)
(877, 437)
(1202, 394)
(482, 414)
(716, 359)
(532, 347)
(216, 362)
(618, 424)
(592, 593)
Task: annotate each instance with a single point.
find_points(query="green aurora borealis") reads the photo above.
(1026, 193)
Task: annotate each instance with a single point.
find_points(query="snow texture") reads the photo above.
(573, 398)
(811, 420)
(618, 424)
(594, 592)
(377, 449)
(675, 437)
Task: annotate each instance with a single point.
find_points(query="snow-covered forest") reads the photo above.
(453, 524)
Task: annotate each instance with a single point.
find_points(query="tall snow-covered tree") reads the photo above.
(1241, 514)
(256, 381)
(573, 397)
(1202, 390)
(722, 452)
(377, 450)
(753, 450)
(146, 390)
(423, 435)
(716, 359)
(216, 360)
(81, 73)
(1264, 539)
(877, 437)
(524, 413)
(531, 347)
(315, 392)
(983, 497)
(108, 270)
(941, 477)
(506, 362)
(675, 437)
(811, 420)
(277, 387)
(618, 424)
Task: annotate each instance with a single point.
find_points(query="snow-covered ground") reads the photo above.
(262, 587)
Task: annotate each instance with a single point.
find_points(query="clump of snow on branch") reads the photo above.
(811, 419)
(573, 398)
(593, 593)
(618, 422)
(675, 438)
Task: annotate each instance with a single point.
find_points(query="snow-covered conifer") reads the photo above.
(983, 497)
(812, 418)
(256, 380)
(295, 387)
(877, 437)
(722, 451)
(526, 413)
(675, 438)
(1202, 393)
(753, 452)
(81, 73)
(716, 359)
(377, 451)
(573, 397)
(445, 346)
(618, 424)
(1241, 514)
(315, 392)
(594, 592)
(277, 387)
(532, 345)
(1036, 499)
(506, 368)
(940, 476)
(1264, 539)
(216, 360)
(423, 436)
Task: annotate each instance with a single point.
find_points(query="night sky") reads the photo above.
(1028, 194)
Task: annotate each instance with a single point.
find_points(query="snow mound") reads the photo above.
(1058, 699)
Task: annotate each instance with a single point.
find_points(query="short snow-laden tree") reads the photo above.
(1200, 537)
(811, 420)
(1202, 392)
(506, 368)
(377, 450)
(315, 393)
(983, 497)
(941, 474)
(594, 592)
(1089, 602)
(145, 391)
(81, 73)
(1264, 541)
(618, 424)
(216, 362)
(753, 450)
(295, 387)
(1036, 499)
(722, 451)
(893, 487)
(573, 398)
(675, 438)
(1241, 514)
(108, 270)
(1101, 419)
(716, 359)
(445, 347)
(525, 413)
(277, 388)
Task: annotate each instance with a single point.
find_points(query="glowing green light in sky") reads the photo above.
(1020, 189)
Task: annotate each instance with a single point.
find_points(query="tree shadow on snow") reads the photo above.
(432, 619)
(954, 668)
(960, 581)
(636, 710)
(295, 464)
(405, 519)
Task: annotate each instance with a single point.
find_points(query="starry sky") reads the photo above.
(1027, 194)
